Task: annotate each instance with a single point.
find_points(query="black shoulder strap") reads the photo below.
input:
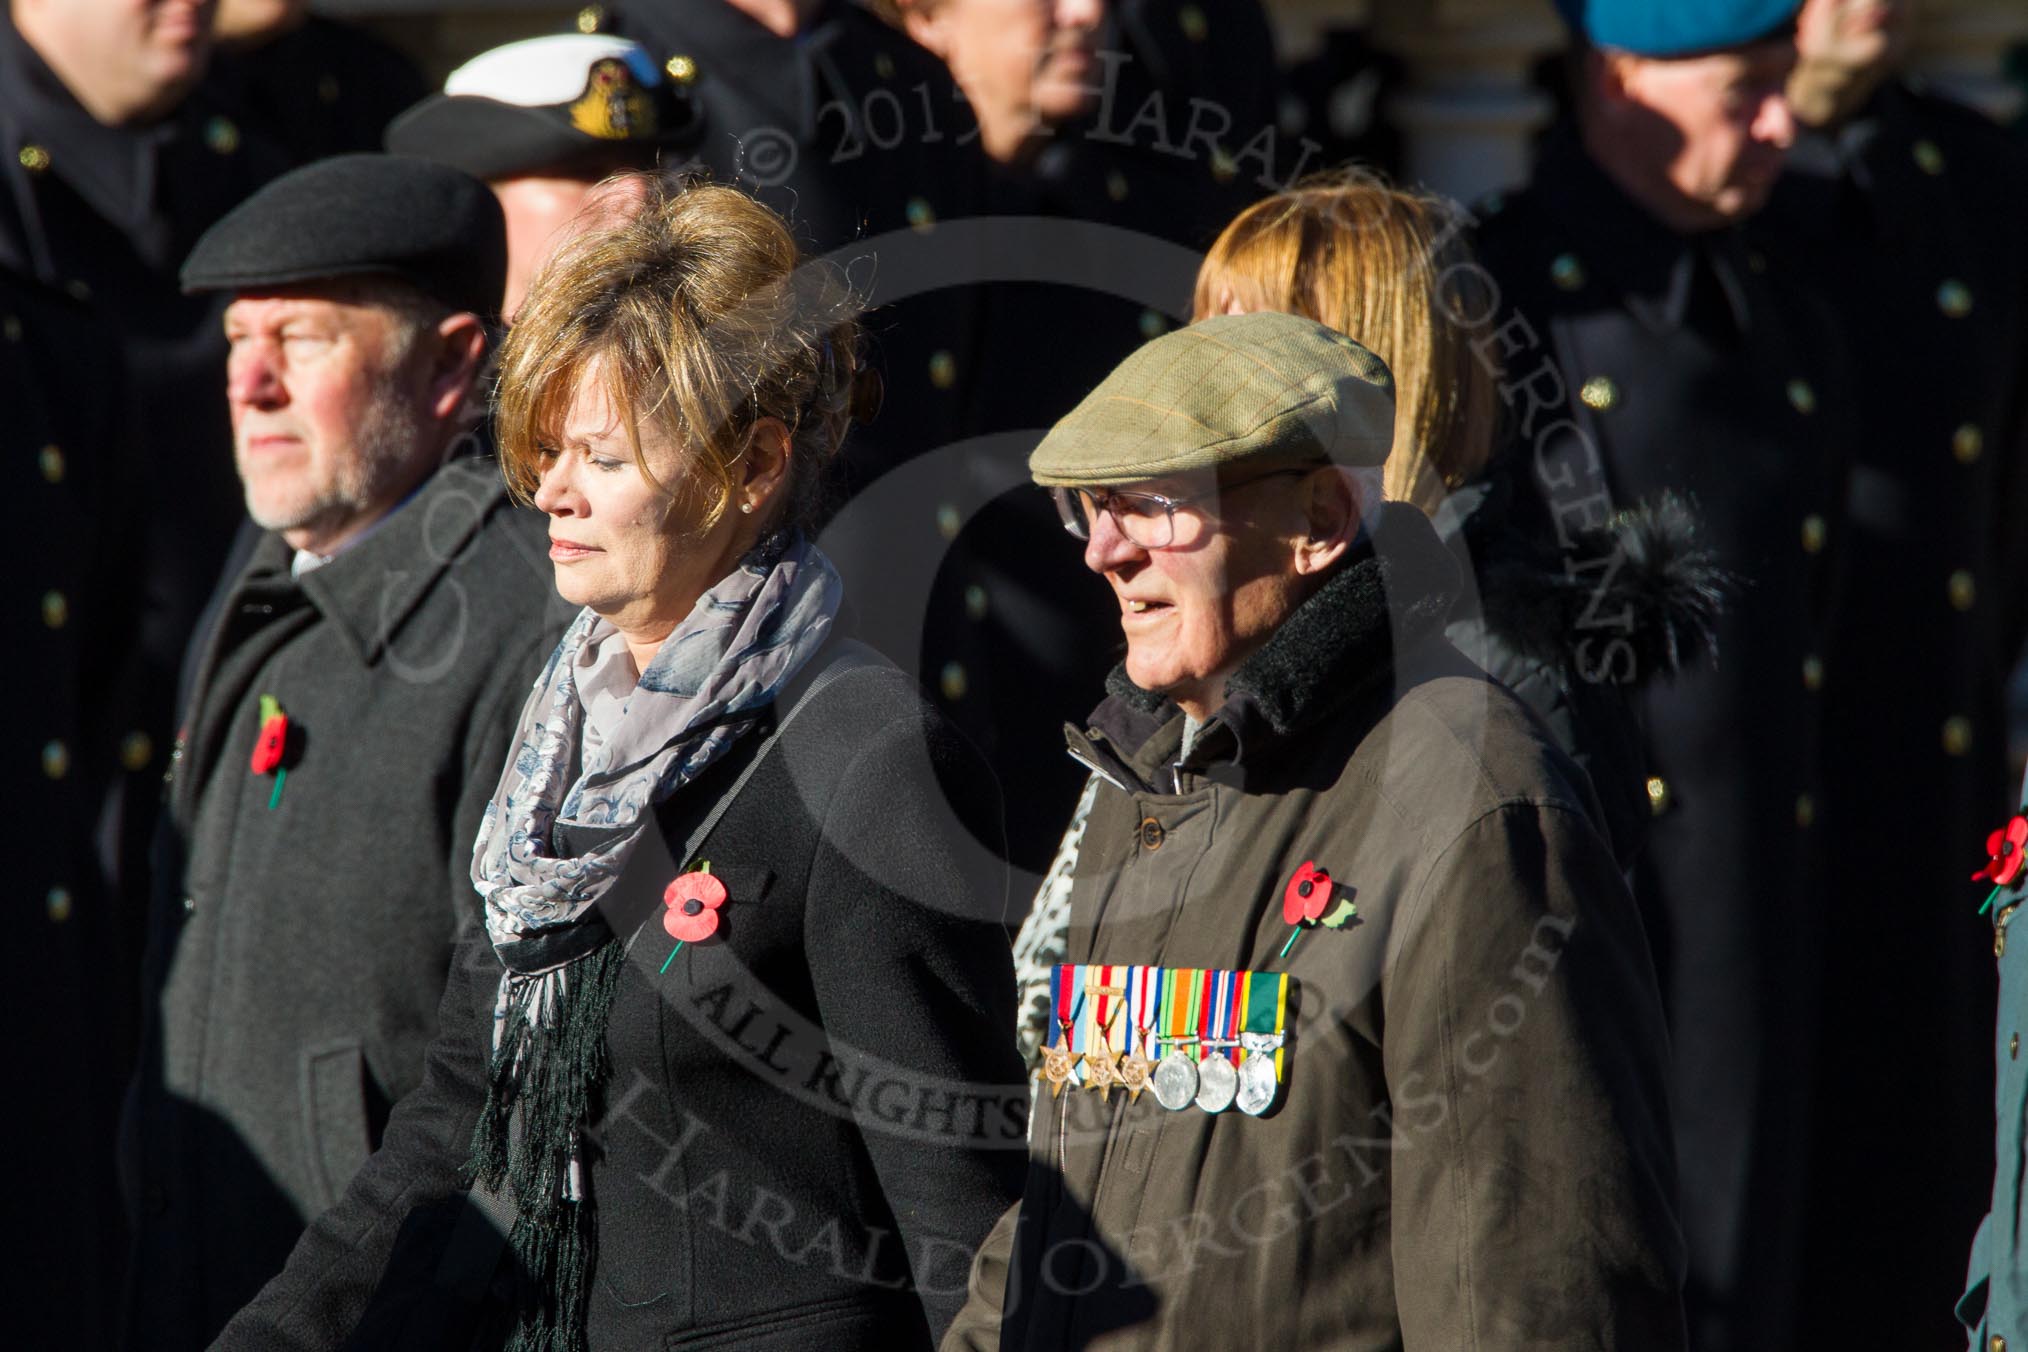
(847, 655)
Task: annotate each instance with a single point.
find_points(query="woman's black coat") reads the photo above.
(811, 1118)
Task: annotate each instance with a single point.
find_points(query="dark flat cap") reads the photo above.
(574, 101)
(362, 215)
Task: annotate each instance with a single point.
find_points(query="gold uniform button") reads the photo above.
(943, 370)
(1658, 795)
(1815, 532)
(1756, 260)
(55, 760)
(1152, 834)
(949, 520)
(1802, 398)
(50, 459)
(327, 89)
(1194, 25)
(1928, 157)
(33, 158)
(953, 681)
(1954, 298)
(1967, 442)
(1116, 185)
(1957, 735)
(2013, 1046)
(1964, 590)
(591, 18)
(55, 609)
(1153, 324)
(883, 65)
(681, 69)
(58, 903)
(1998, 1344)
(221, 135)
(10, 328)
(976, 602)
(1813, 672)
(1806, 810)
(137, 749)
(1599, 393)
(1566, 272)
(921, 216)
(79, 289)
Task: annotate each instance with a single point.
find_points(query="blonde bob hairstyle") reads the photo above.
(1390, 268)
(697, 317)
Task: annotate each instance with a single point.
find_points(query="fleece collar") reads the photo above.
(1392, 592)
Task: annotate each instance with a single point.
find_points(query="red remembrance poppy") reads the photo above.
(2007, 851)
(1307, 894)
(274, 736)
(693, 900)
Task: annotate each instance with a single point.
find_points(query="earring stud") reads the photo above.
(746, 508)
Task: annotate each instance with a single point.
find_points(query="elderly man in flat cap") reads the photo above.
(1357, 1043)
(352, 699)
(543, 122)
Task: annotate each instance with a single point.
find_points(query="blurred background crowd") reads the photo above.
(1024, 190)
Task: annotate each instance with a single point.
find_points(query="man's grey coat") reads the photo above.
(298, 943)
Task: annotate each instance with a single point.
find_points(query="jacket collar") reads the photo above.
(114, 169)
(370, 590)
(1392, 593)
(1652, 266)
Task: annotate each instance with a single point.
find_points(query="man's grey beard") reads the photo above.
(385, 446)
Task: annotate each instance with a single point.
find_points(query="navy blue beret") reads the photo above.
(361, 215)
(1665, 28)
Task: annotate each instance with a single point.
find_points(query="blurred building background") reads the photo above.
(1449, 93)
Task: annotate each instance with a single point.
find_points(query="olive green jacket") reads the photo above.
(1470, 1148)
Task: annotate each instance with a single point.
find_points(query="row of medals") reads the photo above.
(1211, 1081)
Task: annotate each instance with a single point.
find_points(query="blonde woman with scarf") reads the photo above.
(723, 1064)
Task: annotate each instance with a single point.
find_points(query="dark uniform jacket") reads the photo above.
(301, 930)
(1471, 1149)
(116, 437)
(322, 88)
(1911, 221)
(1641, 361)
(73, 612)
(810, 1120)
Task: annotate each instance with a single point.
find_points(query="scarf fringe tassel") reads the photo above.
(538, 1105)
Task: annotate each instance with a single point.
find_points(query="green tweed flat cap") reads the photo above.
(1233, 388)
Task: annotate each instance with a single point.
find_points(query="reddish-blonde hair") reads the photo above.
(1390, 268)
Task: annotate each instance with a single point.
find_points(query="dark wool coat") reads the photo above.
(1644, 361)
(297, 950)
(1913, 223)
(811, 1119)
(112, 441)
(1471, 1149)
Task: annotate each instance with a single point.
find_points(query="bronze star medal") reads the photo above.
(1134, 1070)
(1101, 1069)
(1059, 1063)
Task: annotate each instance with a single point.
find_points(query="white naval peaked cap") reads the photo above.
(540, 72)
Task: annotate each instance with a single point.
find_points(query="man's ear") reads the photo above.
(930, 28)
(1330, 505)
(461, 347)
(1607, 74)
